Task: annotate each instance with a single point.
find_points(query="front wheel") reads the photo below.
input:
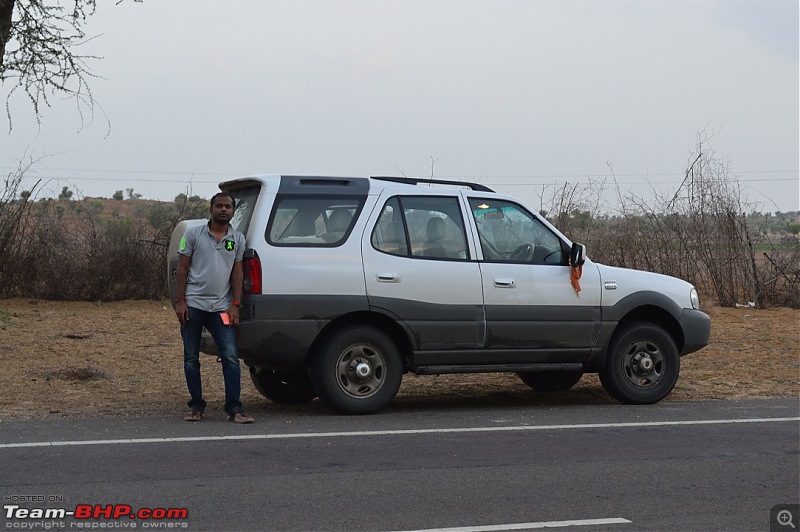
(283, 386)
(642, 365)
(357, 370)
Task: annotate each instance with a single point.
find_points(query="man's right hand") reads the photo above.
(182, 311)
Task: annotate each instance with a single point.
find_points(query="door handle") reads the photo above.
(504, 282)
(388, 278)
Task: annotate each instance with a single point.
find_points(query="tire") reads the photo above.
(551, 381)
(355, 350)
(284, 386)
(642, 364)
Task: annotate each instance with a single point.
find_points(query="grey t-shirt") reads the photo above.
(208, 286)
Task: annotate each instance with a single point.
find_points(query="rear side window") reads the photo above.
(428, 227)
(245, 205)
(314, 221)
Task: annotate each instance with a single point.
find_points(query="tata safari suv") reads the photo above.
(352, 282)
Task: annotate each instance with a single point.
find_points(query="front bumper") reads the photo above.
(696, 326)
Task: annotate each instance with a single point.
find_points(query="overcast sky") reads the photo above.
(518, 94)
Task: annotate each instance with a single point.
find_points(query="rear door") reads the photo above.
(420, 270)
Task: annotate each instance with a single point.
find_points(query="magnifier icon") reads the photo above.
(785, 518)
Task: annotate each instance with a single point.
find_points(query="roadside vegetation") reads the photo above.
(109, 249)
(86, 249)
(704, 232)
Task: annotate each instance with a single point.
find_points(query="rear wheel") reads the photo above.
(551, 381)
(283, 386)
(357, 370)
(642, 365)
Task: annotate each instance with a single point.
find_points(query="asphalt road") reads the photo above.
(673, 466)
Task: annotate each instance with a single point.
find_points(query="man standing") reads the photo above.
(209, 286)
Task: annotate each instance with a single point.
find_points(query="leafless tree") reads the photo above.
(39, 52)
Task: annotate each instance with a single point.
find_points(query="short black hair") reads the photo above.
(223, 193)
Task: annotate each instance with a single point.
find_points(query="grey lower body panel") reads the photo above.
(278, 330)
(556, 328)
(495, 357)
(276, 343)
(494, 368)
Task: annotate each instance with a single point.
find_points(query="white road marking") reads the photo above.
(528, 526)
(397, 432)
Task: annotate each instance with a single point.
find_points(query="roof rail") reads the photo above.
(417, 180)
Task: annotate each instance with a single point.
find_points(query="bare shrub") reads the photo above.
(572, 206)
(74, 250)
(780, 270)
(14, 217)
(700, 233)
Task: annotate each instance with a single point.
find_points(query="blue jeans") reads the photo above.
(225, 338)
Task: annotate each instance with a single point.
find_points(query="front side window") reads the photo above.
(312, 221)
(509, 233)
(428, 227)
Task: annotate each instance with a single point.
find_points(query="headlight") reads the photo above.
(694, 299)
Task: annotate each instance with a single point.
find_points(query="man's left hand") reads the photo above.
(233, 312)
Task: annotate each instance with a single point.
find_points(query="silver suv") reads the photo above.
(352, 282)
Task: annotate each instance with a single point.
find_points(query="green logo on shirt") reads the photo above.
(229, 245)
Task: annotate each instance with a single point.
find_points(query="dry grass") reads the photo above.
(66, 359)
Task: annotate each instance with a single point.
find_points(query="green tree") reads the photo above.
(162, 216)
(25, 195)
(118, 195)
(66, 194)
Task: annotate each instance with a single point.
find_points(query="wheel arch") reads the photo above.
(381, 322)
(655, 315)
(648, 312)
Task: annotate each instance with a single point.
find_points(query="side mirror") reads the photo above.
(577, 255)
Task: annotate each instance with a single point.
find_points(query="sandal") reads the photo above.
(241, 418)
(191, 415)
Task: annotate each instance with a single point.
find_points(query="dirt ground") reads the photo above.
(66, 359)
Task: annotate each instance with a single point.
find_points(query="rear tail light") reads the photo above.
(252, 275)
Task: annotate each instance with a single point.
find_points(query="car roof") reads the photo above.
(273, 182)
